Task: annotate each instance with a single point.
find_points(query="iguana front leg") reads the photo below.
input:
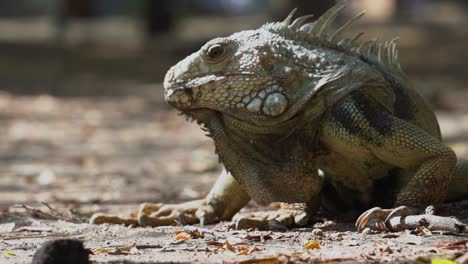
(408, 147)
(224, 200)
(361, 124)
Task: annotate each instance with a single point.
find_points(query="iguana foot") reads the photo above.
(289, 215)
(377, 218)
(403, 217)
(198, 211)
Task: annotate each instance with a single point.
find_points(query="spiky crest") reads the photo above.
(320, 32)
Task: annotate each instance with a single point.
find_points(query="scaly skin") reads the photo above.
(287, 100)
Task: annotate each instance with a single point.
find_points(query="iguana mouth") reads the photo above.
(179, 96)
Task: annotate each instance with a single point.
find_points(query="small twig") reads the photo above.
(13, 236)
(47, 216)
(60, 215)
(432, 222)
(190, 249)
(37, 213)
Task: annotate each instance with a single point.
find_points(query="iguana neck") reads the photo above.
(267, 164)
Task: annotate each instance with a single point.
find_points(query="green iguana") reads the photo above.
(300, 117)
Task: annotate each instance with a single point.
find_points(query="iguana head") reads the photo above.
(239, 75)
(262, 77)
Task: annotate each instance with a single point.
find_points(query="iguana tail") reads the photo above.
(458, 188)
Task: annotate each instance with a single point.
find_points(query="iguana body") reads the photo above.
(287, 100)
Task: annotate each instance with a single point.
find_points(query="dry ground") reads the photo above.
(110, 154)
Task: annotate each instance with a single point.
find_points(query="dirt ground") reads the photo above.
(83, 155)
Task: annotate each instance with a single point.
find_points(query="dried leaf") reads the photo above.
(193, 233)
(386, 249)
(254, 248)
(229, 247)
(134, 216)
(390, 236)
(182, 236)
(259, 237)
(273, 260)
(214, 243)
(442, 261)
(9, 254)
(462, 244)
(243, 251)
(313, 244)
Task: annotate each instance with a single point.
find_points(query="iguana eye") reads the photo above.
(216, 52)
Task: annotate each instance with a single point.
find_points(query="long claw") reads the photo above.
(364, 218)
(377, 224)
(379, 219)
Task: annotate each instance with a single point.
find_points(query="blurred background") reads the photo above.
(83, 117)
(111, 47)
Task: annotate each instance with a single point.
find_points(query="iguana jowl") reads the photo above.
(290, 99)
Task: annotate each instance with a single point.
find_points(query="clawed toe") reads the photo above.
(378, 219)
(376, 213)
(290, 215)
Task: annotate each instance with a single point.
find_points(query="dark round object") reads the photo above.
(61, 251)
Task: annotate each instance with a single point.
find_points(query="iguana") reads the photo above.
(302, 117)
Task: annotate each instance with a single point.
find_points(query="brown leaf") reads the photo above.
(259, 237)
(390, 236)
(193, 233)
(272, 260)
(214, 243)
(229, 247)
(313, 244)
(182, 236)
(462, 244)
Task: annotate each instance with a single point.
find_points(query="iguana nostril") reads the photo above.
(188, 91)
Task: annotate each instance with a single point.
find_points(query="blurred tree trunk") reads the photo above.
(158, 17)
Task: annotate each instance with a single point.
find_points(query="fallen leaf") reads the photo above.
(193, 233)
(462, 244)
(182, 236)
(274, 260)
(442, 261)
(214, 243)
(253, 249)
(259, 237)
(9, 254)
(134, 215)
(247, 251)
(313, 244)
(229, 247)
(386, 249)
(243, 251)
(390, 236)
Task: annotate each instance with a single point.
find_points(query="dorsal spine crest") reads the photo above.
(385, 54)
